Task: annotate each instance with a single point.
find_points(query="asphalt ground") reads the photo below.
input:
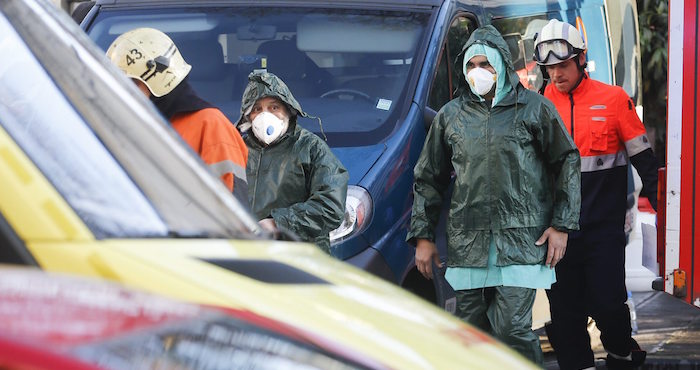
(668, 329)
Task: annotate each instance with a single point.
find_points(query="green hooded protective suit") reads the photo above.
(296, 180)
(517, 172)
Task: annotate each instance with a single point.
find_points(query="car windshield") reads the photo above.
(348, 68)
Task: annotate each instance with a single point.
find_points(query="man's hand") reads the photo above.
(425, 252)
(556, 245)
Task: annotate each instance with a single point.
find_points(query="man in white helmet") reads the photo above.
(603, 123)
(151, 59)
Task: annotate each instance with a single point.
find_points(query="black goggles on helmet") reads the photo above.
(560, 49)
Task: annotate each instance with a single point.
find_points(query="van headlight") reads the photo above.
(358, 212)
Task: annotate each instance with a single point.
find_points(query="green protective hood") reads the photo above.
(496, 61)
(489, 36)
(265, 84)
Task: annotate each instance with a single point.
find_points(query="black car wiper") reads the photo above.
(202, 234)
(195, 234)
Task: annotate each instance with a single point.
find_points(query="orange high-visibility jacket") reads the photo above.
(219, 144)
(607, 131)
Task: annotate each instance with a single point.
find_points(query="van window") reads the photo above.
(519, 34)
(349, 67)
(440, 92)
(449, 74)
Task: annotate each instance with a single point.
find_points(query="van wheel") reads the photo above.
(419, 285)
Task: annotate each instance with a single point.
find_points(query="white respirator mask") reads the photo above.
(267, 127)
(481, 80)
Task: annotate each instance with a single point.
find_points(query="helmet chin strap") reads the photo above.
(581, 68)
(580, 78)
(545, 79)
(582, 72)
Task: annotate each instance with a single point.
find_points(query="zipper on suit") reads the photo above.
(488, 151)
(257, 176)
(571, 100)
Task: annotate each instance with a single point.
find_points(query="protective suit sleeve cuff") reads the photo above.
(563, 229)
(280, 220)
(412, 239)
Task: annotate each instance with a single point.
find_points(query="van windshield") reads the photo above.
(350, 68)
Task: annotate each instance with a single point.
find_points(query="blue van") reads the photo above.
(374, 72)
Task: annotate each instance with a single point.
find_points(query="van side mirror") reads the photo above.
(428, 116)
(517, 50)
(81, 10)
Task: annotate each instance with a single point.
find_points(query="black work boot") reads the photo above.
(637, 357)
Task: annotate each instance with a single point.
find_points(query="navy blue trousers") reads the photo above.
(590, 282)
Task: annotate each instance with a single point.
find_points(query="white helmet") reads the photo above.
(150, 56)
(558, 41)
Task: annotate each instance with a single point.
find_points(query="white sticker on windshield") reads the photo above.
(384, 104)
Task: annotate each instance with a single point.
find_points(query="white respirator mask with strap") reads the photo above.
(481, 80)
(268, 128)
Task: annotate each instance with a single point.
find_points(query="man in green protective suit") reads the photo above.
(516, 194)
(295, 182)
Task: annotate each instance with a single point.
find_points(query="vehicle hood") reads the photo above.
(358, 160)
(313, 291)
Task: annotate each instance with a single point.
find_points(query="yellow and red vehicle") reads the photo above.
(94, 182)
(57, 321)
